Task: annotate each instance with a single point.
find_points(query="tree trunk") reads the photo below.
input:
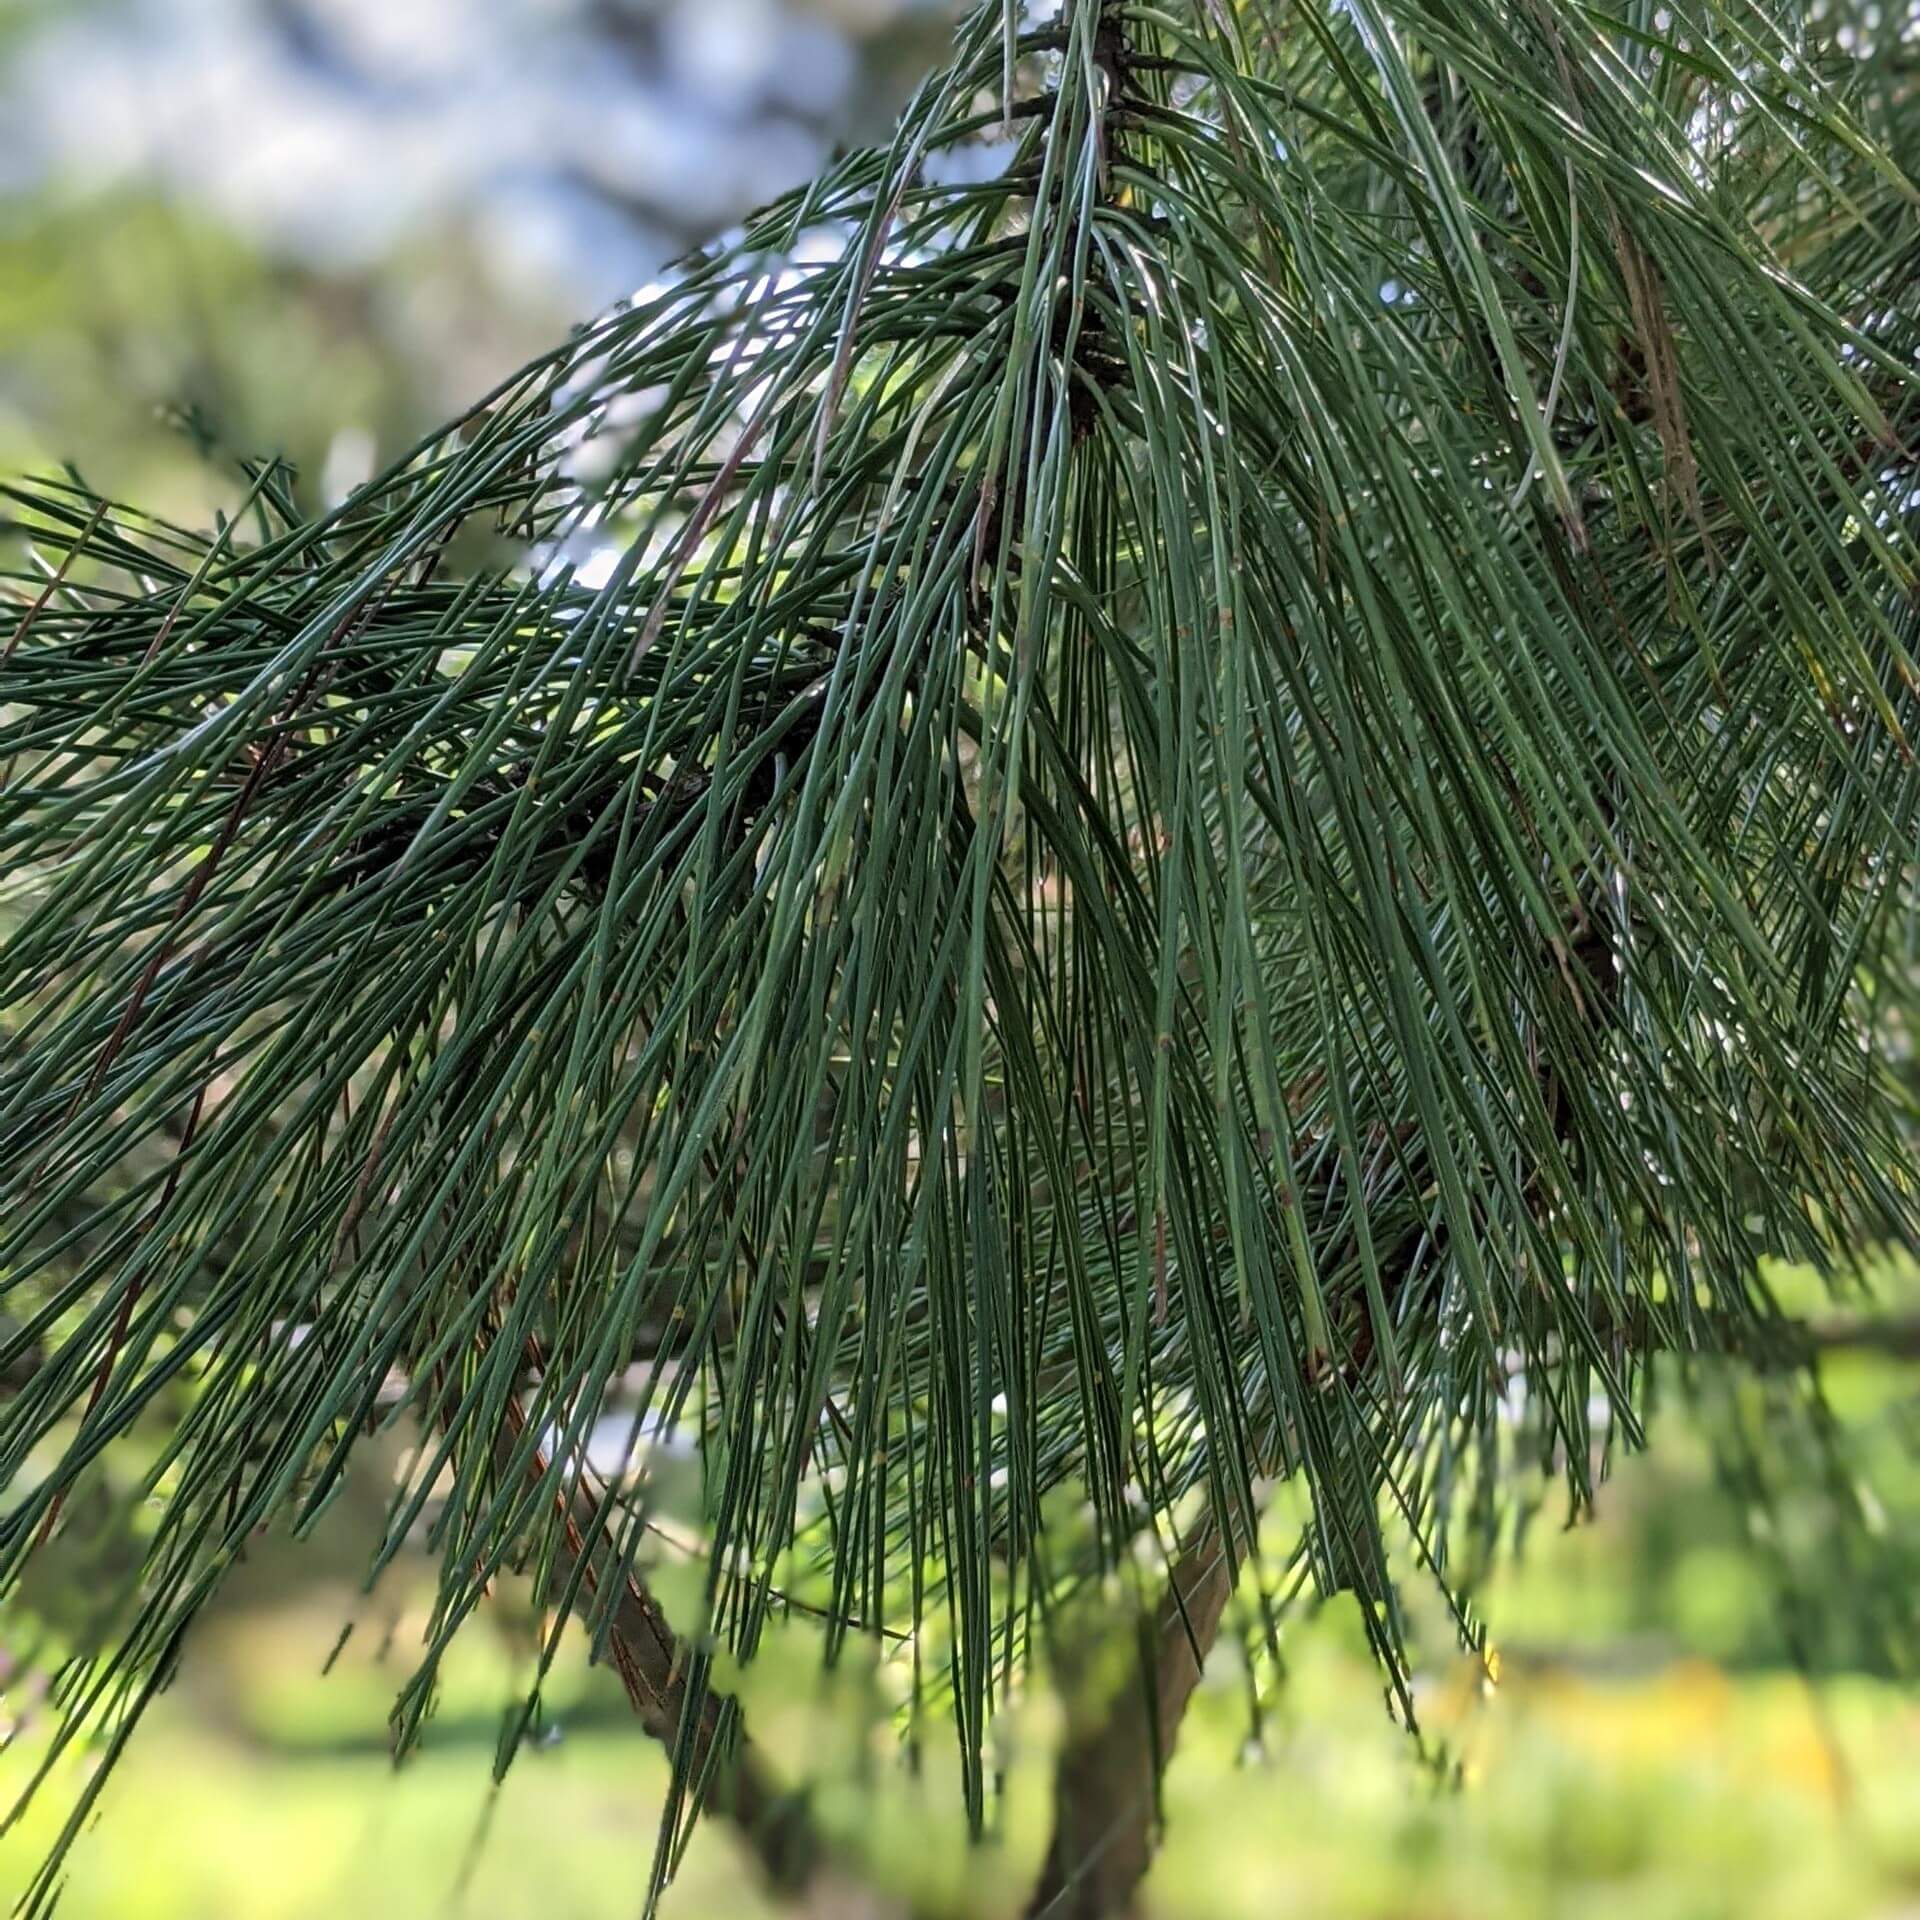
(1106, 1780)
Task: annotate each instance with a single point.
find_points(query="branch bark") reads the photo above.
(652, 1663)
(1896, 1335)
(1106, 1780)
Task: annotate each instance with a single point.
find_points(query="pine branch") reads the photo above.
(1160, 648)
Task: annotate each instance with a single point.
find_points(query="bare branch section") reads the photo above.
(1106, 1780)
(651, 1660)
(1895, 1335)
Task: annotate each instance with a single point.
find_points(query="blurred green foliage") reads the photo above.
(150, 347)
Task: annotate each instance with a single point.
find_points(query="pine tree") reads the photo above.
(1205, 778)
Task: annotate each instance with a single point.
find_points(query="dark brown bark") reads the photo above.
(1106, 1779)
(652, 1663)
(1896, 1335)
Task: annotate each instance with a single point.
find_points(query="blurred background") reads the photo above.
(319, 227)
(1692, 1710)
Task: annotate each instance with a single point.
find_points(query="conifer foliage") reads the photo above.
(1207, 777)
